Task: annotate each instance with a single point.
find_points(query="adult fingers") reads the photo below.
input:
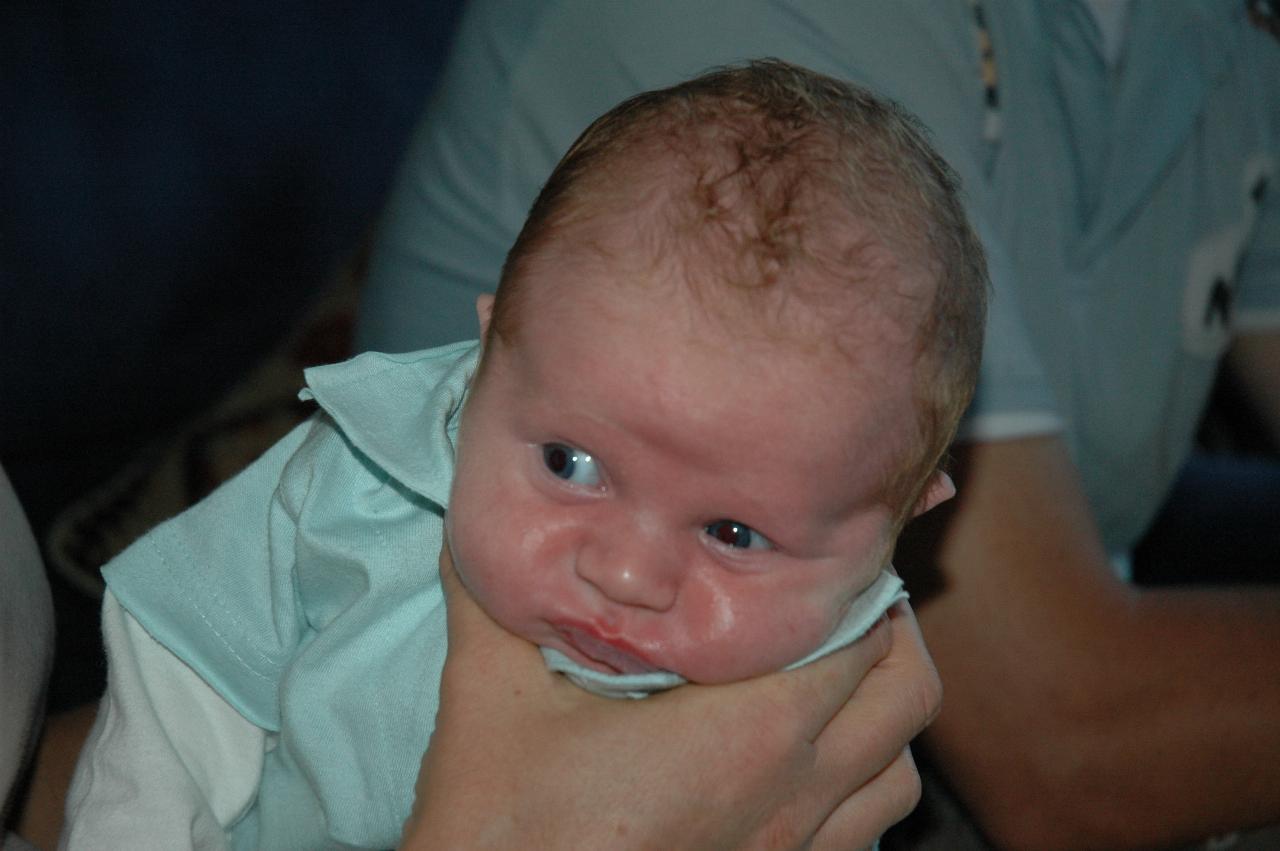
(776, 721)
(857, 754)
(897, 699)
(910, 660)
(812, 696)
(865, 815)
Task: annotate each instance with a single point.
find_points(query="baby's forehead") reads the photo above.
(828, 343)
(846, 295)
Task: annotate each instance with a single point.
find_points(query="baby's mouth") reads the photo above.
(614, 656)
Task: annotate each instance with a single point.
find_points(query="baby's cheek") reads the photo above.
(509, 560)
(741, 633)
(479, 555)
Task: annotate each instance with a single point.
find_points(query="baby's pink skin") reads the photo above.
(686, 428)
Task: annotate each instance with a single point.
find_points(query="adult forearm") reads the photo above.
(1177, 735)
(1082, 711)
(1153, 723)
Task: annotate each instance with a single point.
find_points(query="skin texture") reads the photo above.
(615, 565)
(1084, 712)
(522, 759)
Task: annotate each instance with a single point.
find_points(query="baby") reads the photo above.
(726, 354)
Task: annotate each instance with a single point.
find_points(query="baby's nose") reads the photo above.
(631, 567)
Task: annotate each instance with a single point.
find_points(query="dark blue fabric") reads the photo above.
(177, 179)
(1220, 525)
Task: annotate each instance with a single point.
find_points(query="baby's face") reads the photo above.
(641, 496)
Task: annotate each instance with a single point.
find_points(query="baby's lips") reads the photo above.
(614, 655)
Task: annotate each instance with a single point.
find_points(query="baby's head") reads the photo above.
(726, 355)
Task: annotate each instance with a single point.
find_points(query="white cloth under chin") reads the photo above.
(866, 609)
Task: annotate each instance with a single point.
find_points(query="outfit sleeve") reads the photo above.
(216, 584)
(169, 764)
(199, 620)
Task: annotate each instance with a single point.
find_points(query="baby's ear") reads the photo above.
(484, 311)
(940, 489)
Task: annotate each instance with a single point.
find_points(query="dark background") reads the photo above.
(177, 181)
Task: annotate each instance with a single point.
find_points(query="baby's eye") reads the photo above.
(731, 533)
(571, 464)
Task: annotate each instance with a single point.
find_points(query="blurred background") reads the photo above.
(178, 185)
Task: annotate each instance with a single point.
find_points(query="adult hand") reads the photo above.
(522, 758)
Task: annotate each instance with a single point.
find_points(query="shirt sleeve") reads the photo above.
(1259, 291)
(216, 584)
(1013, 398)
(168, 764)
